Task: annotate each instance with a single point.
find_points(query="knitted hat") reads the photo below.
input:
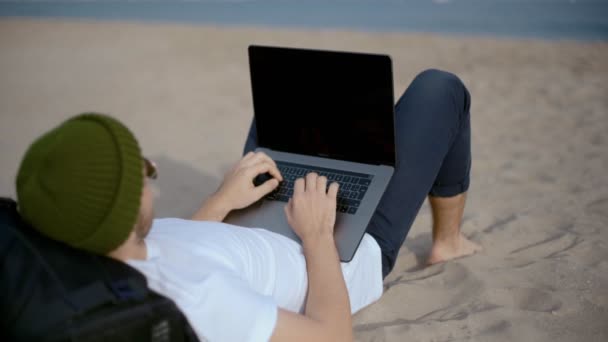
(81, 183)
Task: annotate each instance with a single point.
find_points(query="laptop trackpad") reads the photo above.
(264, 214)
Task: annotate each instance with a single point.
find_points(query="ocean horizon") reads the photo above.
(547, 19)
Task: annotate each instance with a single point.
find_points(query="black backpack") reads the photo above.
(52, 292)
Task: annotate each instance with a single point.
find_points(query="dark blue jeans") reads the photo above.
(433, 147)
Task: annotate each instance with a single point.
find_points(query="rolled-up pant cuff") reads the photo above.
(445, 190)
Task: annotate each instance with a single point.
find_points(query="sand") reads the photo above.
(538, 202)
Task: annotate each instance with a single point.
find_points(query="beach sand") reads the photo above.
(538, 201)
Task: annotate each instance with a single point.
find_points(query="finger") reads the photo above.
(244, 161)
(263, 168)
(259, 160)
(333, 190)
(265, 158)
(266, 187)
(311, 182)
(254, 158)
(260, 157)
(275, 172)
(298, 187)
(321, 183)
(248, 156)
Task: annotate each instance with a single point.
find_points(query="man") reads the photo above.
(85, 183)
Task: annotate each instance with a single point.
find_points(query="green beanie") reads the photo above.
(81, 183)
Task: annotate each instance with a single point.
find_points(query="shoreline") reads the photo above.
(294, 29)
(167, 22)
(496, 18)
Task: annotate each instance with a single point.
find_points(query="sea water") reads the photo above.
(553, 19)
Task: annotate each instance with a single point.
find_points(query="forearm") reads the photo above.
(327, 301)
(213, 209)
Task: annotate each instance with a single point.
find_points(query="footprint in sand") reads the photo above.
(450, 276)
(598, 207)
(457, 312)
(449, 313)
(552, 247)
(535, 300)
(527, 299)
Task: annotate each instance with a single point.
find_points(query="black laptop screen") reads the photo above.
(329, 104)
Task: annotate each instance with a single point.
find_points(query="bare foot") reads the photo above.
(448, 250)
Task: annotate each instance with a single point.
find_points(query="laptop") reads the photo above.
(329, 112)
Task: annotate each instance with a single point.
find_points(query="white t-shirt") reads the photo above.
(229, 280)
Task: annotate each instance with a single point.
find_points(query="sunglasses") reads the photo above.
(151, 170)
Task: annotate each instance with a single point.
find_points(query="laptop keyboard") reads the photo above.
(353, 186)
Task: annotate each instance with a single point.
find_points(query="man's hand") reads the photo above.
(237, 190)
(311, 212)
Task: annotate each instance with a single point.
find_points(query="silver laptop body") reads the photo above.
(324, 110)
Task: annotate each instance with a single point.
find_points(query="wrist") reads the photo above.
(314, 246)
(318, 238)
(215, 208)
(219, 205)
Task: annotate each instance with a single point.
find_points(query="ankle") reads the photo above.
(446, 236)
